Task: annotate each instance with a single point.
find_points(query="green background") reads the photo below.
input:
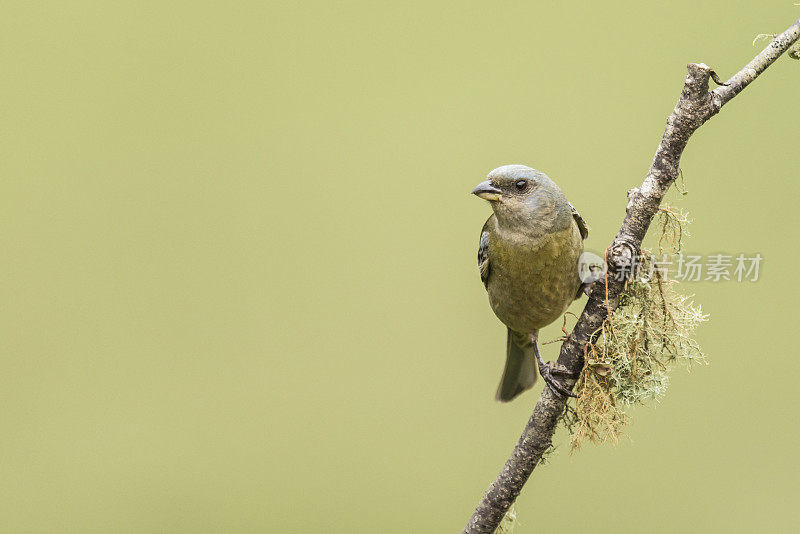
(239, 290)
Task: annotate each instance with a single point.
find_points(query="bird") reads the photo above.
(528, 257)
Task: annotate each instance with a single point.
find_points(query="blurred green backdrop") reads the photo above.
(239, 284)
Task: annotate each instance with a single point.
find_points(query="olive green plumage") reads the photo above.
(528, 261)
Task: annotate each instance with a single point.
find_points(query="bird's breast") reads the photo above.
(533, 282)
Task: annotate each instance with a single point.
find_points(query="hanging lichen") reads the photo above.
(629, 362)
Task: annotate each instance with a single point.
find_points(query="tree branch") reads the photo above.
(695, 106)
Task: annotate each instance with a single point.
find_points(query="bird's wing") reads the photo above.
(584, 287)
(483, 253)
(581, 223)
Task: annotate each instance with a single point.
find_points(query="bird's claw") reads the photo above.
(586, 288)
(548, 371)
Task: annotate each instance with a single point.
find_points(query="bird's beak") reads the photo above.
(487, 191)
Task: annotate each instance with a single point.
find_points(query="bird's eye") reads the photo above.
(521, 185)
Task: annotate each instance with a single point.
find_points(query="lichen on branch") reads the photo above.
(630, 360)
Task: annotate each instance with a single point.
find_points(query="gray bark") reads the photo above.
(695, 106)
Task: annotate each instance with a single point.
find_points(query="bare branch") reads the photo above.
(750, 72)
(695, 106)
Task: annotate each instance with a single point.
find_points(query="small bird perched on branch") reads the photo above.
(528, 260)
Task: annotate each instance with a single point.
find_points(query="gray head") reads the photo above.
(524, 199)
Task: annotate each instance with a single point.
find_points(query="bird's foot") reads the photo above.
(586, 288)
(550, 371)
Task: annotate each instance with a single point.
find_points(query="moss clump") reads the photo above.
(628, 364)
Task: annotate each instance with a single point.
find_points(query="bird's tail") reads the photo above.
(520, 372)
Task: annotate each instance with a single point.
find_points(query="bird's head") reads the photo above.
(524, 198)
